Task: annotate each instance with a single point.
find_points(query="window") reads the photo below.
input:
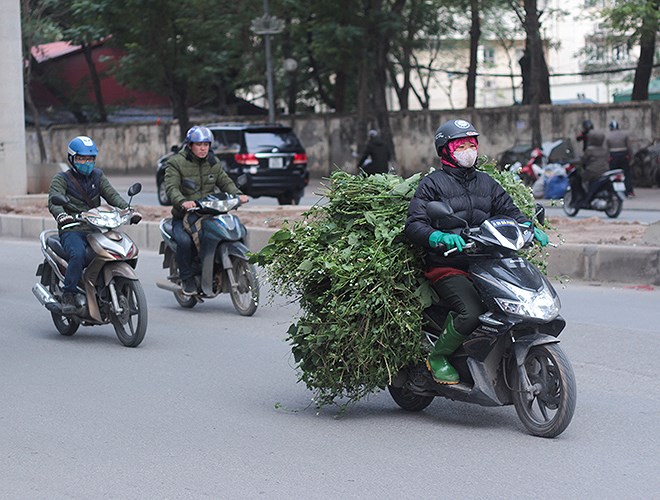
(488, 55)
(620, 53)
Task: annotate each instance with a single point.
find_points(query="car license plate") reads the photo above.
(276, 162)
(619, 186)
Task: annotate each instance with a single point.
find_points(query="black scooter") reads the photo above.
(513, 357)
(222, 264)
(606, 195)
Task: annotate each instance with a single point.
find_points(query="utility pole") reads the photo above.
(12, 119)
(266, 26)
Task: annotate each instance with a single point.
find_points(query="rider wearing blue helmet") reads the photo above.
(191, 174)
(84, 185)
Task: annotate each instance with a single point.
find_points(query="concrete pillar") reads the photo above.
(13, 169)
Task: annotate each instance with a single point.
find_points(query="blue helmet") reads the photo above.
(199, 134)
(82, 146)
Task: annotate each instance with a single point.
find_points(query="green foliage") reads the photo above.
(359, 282)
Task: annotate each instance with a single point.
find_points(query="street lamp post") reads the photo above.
(266, 26)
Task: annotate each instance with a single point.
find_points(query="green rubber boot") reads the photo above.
(447, 343)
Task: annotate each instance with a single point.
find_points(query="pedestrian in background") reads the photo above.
(583, 137)
(376, 156)
(618, 144)
(595, 162)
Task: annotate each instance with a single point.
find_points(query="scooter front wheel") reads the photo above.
(66, 325)
(549, 409)
(131, 323)
(245, 295)
(408, 400)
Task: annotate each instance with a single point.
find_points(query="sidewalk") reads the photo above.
(637, 265)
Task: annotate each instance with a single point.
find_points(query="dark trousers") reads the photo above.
(185, 250)
(619, 159)
(75, 244)
(461, 295)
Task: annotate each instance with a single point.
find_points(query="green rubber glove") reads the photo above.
(539, 234)
(447, 239)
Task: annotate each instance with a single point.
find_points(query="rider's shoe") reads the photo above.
(441, 370)
(189, 286)
(69, 305)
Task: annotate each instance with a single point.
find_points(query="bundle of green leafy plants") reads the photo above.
(359, 283)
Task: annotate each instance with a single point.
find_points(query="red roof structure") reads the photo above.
(63, 77)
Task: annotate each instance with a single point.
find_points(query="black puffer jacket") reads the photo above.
(474, 196)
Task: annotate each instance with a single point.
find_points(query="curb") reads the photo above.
(602, 263)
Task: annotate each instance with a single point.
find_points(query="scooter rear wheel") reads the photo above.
(568, 199)
(550, 409)
(408, 400)
(614, 206)
(66, 325)
(185, 301)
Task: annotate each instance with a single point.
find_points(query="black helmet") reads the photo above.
(453, 129)
(614, 125)
(587, 125)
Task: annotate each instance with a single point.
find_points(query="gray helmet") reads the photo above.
(453, 129)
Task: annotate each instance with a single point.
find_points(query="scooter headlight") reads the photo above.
(539, 304)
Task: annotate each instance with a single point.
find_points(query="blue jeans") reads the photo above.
(75, 244)
(185, 250)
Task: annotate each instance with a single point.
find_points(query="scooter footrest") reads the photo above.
(54, 307)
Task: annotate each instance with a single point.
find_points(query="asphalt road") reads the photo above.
(208, 407)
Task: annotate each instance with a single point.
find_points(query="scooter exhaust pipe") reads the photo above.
(45, 298)
(170, 287)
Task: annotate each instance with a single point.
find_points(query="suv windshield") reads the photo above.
(265, 141)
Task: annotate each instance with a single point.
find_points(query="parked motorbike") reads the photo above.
(222, 264)
(532, 169)
(607, 195)
(110, 291)
(513, 357)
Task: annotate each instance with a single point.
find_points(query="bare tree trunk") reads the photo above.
(536, 62)
(96, 82)
(179, 99)
(644, 69)
(43, 156)
(362, 100)
(475, 34)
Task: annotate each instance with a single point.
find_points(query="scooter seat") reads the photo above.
(166, 225)
(55, 244)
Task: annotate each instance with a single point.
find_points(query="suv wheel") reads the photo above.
(291, 198)
(163, 199)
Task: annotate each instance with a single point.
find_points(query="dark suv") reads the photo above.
(263, 160)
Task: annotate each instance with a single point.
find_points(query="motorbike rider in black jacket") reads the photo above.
(474, 196)
(84, 185)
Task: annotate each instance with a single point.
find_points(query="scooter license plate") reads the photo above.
(619, 186)
(276, 162)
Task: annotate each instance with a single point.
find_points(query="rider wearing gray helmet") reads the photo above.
(190, 175)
